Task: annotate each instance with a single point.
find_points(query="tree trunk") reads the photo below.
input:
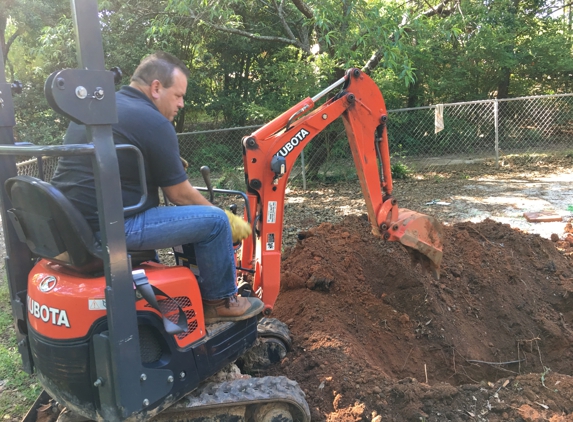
(503, 86)
(180, 122)
(414, 91)
(5, 44)
(3, 23)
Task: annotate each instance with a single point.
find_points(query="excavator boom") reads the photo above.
(270, 153)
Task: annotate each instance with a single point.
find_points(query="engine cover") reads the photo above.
(63, 305)
(66, 310)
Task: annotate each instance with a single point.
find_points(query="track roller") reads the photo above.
(273, 413)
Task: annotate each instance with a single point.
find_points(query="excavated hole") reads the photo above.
(501, 308)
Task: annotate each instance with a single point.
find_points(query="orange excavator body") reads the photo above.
(269, 155)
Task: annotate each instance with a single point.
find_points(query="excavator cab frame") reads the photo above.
(87, 96)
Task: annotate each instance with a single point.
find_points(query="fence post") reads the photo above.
(303, 171)
(495, 119)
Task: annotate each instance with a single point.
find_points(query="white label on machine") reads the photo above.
(96, 304)
(272, 212)
(271, 242)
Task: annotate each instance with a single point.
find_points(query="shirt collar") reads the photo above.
(135, 93)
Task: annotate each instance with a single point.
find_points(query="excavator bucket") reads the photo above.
(422, 235)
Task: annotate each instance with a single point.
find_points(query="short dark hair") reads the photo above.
(159, 65)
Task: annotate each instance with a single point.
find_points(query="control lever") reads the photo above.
(117, 74)
(206, 173)
(16, 87)
(233, 208)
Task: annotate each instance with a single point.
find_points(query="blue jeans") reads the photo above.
(206, 227)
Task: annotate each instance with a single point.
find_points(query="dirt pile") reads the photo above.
(377, 339)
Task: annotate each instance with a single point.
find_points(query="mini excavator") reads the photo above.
(114, 335)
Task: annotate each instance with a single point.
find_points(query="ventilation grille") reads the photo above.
(149, 344)
(171, 311)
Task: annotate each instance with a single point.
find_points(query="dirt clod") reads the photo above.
(491, 341)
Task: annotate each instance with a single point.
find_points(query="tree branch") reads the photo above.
(6, 44)
(303, 8)
(439, 9)
(12, 39)
(282, 17)
(289, 41)
(556, 9)
(246, 34)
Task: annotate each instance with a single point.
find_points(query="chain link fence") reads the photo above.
(221, 151)
(530, 127)
(41, 167)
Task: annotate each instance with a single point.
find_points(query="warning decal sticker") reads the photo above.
(96, 304)
(272, 212)
(271, 242)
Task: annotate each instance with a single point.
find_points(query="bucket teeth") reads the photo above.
(422, 235)
(427, 265)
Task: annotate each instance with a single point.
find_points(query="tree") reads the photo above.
(345, 32)
(26, 18)
(252, 59)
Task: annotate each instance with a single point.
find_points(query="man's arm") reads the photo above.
(184, 194)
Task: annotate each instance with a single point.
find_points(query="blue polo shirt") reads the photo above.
(140, 124)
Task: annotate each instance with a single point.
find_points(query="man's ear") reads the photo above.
(154, 89)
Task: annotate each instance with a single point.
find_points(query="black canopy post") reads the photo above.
(87, 96)
(117, 354)
(18, 262)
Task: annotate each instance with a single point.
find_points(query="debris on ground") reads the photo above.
(542, 216)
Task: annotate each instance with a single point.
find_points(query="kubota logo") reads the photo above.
(47, 284)
(294, 141)
(47, 313)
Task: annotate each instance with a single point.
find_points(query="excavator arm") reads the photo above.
(270, 153)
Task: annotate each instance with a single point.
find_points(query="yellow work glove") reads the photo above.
(239, 227)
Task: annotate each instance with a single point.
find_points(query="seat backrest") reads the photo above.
(51, 226)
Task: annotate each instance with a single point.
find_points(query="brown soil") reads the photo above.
(377, 339)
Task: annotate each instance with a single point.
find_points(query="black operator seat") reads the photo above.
(54, 229)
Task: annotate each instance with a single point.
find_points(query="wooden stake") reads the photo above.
(426, 371)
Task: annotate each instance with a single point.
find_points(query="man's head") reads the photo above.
(163, 78)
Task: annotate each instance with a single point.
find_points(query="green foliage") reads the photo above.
(233, 179)
(33, 24)
(400, 171)
(18, 389)
(546, 371)
(216, 156)
(250, 60)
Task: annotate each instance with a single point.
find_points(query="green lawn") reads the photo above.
(18, 390)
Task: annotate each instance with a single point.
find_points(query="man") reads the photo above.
(146, 109)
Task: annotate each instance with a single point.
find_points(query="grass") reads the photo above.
(18, 390)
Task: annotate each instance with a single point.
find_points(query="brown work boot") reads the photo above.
(234, 308)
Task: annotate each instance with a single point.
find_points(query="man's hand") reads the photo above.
(239, 227)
